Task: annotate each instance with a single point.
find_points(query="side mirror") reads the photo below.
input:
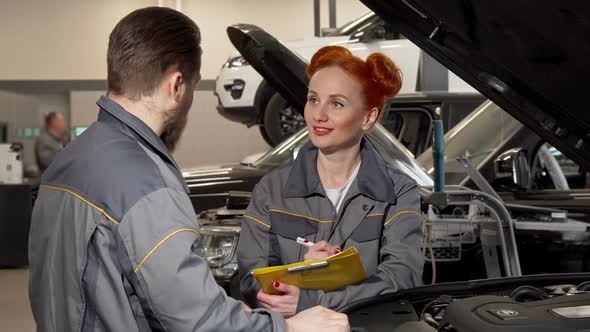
(511, 169)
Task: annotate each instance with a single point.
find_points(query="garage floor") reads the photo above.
(15, 312)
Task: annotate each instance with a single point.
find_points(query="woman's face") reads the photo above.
(335, 112)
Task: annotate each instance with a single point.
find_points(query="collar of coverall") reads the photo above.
(373, 179)
(110, 109)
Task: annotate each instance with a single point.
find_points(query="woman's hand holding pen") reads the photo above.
(321, 250)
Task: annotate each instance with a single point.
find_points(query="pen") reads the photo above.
(305, 242)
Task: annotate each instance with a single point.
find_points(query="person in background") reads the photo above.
(51, 140)
(338, 193)
(113, 232)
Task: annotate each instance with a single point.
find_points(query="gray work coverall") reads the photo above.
(111, 238)
(380, 216)
(47, 147)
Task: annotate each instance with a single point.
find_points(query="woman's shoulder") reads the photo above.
(399, 177)
(275, 178)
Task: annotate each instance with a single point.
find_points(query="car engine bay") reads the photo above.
(503, 305)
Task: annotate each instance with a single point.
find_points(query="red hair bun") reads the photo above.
(384, 73)
(379, 76)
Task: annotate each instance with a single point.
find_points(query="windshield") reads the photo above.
(352, 26)
(390, 149)
(475, 137)
(282, 153)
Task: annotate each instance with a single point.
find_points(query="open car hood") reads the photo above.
(283, 70)
(530, 58)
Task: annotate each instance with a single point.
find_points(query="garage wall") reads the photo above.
(60, 39)
(213, 17)
(83, 108)
(284, 19)
(67, 39)
(208, 138)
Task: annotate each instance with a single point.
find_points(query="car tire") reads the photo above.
(280, 120)
(265, 135)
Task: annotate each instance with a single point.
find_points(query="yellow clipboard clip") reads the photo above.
(308, 267)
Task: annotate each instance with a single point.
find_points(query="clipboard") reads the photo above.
(336, 271)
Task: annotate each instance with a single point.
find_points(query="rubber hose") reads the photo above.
(528, 294)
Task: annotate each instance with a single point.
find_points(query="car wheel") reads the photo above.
(281, 120)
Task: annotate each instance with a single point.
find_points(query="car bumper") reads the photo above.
(243, 115)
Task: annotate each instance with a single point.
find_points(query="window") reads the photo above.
(409, 126)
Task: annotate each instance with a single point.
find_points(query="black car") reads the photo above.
(526, 60)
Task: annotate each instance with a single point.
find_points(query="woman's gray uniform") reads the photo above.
(380, 216)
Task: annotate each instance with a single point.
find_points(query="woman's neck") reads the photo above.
(336, 168)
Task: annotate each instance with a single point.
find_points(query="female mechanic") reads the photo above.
(338, 193)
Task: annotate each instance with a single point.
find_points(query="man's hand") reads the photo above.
(321, 250)
(318, 319)
(286, 303)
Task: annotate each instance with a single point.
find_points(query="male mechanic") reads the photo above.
(51, 140)
(113, 227)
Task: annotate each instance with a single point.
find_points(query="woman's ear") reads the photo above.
(370, 118)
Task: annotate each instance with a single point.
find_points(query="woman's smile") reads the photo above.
(321, 131)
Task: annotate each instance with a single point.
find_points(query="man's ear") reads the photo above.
(177, 85)
(370, 118)
(173, 85)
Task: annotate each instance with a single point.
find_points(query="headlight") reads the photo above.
(217, 246)
(235, 62)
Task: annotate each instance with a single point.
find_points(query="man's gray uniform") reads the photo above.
(380, 216)
(47, 147)
(111, 238)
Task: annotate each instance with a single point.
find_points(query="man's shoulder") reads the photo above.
(106, 152)
(106, 167)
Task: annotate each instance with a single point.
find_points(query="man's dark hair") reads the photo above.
(49, 118)
(147, 43)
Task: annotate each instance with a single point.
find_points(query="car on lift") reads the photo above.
(492, 47)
